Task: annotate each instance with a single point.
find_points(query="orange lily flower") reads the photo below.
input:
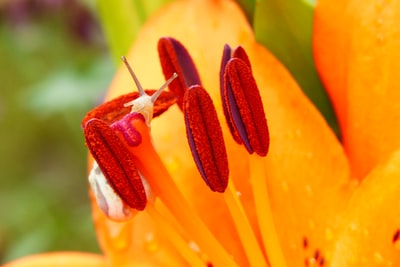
(324, 203)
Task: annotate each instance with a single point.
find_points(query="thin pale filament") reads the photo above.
(154, 170)
(243, 227)
(264, 214)
(174, 237)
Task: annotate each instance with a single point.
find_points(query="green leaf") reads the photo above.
(121, 20)
(285, 28)
(248, 8)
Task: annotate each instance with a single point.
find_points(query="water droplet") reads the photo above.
(378, 5)
(378, 258)
(193, 246)
(298, 132)
(309, 190)
(285, 186)
(328, 234)
(365, 232)
(119, 234)
(353, 226)
(311, 224)
(172, 163)
(151, 243)
(380, 39)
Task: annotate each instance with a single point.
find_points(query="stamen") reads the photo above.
(264, 214)
(243, 227)
(208, 149)
(245, 107)
(175, 58)
(151, 166)
(246, 113)
(167, 228)
(119, 141)
(115, 162)
(205, 138)
(241, 54)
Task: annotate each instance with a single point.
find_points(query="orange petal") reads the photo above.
(356, 46)
(367, 236)
(330, 53)
(306, 167)
(135, 242)
(60, 259)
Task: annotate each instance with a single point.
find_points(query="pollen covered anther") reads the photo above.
(240, 53)
(243, 103)
(175, 58)
(115, 162)
(110, 135)
(226, 56)
(205, 138)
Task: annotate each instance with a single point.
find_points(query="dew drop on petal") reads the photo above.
(151, 243)
(378, 258)
(119, 235)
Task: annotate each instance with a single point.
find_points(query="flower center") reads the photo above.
(121, 144)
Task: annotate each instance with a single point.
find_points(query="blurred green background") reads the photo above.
(54, 67)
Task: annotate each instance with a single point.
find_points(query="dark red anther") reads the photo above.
(244, 106)
(241, 53)
(116, 162)
(226, 56)
(115, 110)
(175, 58)
(205, 138)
